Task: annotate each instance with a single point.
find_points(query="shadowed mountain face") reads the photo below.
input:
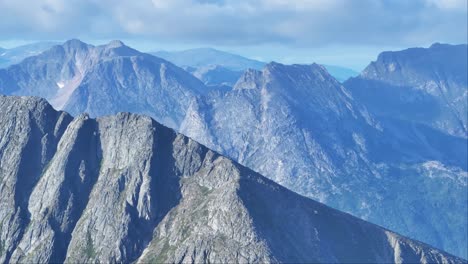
(124, 188)
(425, 86)
(300, 127)
(295, 124)
(423, 92)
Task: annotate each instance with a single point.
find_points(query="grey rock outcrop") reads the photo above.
(300, 127)
(124, 188)
(293, 123)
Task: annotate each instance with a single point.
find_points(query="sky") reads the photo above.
(349, 33)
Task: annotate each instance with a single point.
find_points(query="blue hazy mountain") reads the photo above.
(217, 67)
(125, 189)
(203, 57)
(426, 86)
(17, 54)
(296, 124)
(215, 75)
(106, 79)
(301, 127)
(341, 73)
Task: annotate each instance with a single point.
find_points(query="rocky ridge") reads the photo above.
(124, 188)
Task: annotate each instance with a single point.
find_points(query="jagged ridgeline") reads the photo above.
(124, 188)
(388, 146)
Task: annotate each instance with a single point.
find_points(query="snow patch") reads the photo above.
(66, 90)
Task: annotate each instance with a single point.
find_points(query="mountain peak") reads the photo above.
(165, 198)
(118, 48)
(428, 78)
(75, 43)
(115, 44)
(273, 64)
(313, 70)
(251, 79)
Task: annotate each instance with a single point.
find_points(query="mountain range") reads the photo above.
(17, 54)
(424, 86)
(124, 188)
(102, 80)
(213, 66)
(295, 124)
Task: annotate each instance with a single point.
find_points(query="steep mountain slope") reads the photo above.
(423, 92)
(426, 86)
(300, 127)
(213, 67)
(283, 109)
(296, 124)
(216, 67)
(78, 77)
(124, 188)
(15, 55)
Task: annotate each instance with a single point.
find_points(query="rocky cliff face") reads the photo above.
(420, 94)
(427, 86)
(304, 130)
(101, 80)
(124, 188)
(293, 123)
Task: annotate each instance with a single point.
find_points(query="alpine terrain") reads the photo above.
(101, 80)
(418, 85)
(213, 66)
(17, 54)
(124, 188)
(295, 124)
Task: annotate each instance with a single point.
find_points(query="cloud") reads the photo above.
(449, 4)
(304, 23)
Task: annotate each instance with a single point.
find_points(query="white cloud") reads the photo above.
(232, 22)
(449, 4)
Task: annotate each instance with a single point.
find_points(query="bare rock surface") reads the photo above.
(124, 188)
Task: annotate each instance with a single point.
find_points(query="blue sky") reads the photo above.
(340, 32)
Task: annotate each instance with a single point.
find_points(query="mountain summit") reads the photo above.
(295, 124)
(102, 80)
(422, 85)
(124, 188)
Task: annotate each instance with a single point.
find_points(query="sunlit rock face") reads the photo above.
(101, 80)
(124, 188)
(349, 146)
